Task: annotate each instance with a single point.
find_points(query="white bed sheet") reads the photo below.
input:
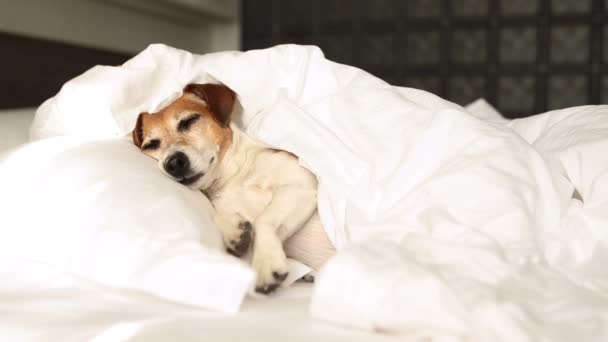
(92, 313)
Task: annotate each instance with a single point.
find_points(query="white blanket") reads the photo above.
(446, 225)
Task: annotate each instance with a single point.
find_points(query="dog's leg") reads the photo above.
(288, 210)
(236, 232)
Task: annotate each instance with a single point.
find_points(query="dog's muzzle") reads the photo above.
(177, 165)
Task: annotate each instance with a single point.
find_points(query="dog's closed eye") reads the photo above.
(151, 145)
(185, 124)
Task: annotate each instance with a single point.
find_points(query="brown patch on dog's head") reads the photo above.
(138, 132)
(196, 123)
(219, 98)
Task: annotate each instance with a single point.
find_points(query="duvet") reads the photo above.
(447, 225)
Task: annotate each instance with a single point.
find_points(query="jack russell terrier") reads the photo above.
(262, 196)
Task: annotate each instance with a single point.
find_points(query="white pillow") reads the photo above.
(102, 210)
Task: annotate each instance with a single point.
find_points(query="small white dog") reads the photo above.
(262, 196)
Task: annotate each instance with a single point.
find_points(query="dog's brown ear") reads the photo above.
(218, 97)
(138, 132)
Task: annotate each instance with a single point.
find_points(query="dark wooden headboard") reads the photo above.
(35, 69)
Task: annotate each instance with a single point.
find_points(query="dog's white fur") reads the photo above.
(269, 189)
(259, 193)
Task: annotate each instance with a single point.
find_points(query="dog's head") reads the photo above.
(190, 136)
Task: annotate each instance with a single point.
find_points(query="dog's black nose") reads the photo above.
(177, 164)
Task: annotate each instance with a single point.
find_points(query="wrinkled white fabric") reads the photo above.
(102, 211)
(446, 225)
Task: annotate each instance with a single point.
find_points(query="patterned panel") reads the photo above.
(501, 49)
(387, 75)
(605, 44)
(384, 9)
(466, 89)
(339, 48)
(423, 8)
(604, 89)
(518, 45)
(426, 83)
(570, 44)
(567, 91)
(468, 46)
(516, 94)
(570, 6)
(298, 15)
(519, 7)
(258, 20)
(376, 49)
(329, 19)
(422, 48)
(469, 8)
(258, 43)
(302, 39)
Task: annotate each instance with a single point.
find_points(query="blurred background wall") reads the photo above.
(524, 56)
(44, 43)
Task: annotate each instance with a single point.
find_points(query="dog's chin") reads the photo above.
(197, 181)
(192, 180)
(205, 183)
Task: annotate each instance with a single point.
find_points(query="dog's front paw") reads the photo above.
(307, 278)
(239, 241)
(271, 269)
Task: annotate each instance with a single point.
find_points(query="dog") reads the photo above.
(262, 196)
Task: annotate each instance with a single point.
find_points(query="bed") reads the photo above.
(449, 223)
(85, 310)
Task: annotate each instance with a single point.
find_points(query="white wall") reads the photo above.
(127, 25)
